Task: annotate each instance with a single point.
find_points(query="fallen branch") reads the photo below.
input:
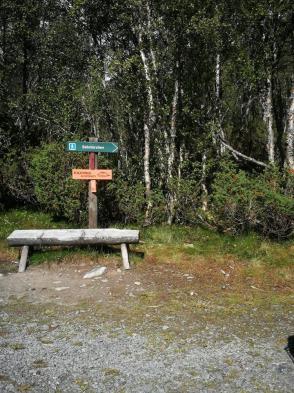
(239, 154)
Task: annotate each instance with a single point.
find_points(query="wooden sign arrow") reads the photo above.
(92, 174)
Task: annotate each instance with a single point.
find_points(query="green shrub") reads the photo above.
(188, 200)
(241, 202)
(131, 202)
(15, 181)
(56, 192)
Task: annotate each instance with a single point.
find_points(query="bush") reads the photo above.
(241, 202)
(131, 202)
(56, 192)
(15, 182)
(188, 201)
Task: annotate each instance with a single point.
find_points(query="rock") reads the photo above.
(96, 272)
(165, 327)
(61, 288)
(1, 275)
(137, 283)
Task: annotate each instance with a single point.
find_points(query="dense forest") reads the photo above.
(199, 96)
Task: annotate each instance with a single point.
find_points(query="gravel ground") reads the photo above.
(47, 346)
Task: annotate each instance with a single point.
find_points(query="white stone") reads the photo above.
(137, 283)
(61, 288)
(96, 272)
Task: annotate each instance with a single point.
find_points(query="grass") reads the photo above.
(164, 242)
(199, 241)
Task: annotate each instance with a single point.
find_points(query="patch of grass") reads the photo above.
(24, 388)
(16, 346)
(39, 363)
(83, 384)
(4, 378)
(194, 241)
(165, 242)
(27, 219)
(111, 372)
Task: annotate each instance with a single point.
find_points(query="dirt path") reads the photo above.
(152, 329)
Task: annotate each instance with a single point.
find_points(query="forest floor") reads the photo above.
(181, 320)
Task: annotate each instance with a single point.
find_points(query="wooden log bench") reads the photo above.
(72, 237)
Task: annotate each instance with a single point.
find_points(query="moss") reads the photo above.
(17, 346)
(83, 385)
(24, 388)
(39, 363)
(111, 372)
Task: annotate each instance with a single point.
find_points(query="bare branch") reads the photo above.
(239, 154)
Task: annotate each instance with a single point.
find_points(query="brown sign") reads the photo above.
(92, 174)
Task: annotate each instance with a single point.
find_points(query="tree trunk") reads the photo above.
(171, 157)
(290, 133)
(221, 147)
(203, 183)
(268, 119)
(148, 126)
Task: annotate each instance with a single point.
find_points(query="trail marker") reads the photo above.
(93, 147)
(92, 174)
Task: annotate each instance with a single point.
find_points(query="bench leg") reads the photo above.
(125, 256)
(23, 259)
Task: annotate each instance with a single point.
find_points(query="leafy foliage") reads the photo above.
(55, 190)
(243, 202)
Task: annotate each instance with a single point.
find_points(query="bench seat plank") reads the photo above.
(55, 237)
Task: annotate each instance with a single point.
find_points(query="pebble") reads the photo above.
(96, 272)
(1, 275)
(105, 280)
(61, 288)
(137, 283)
(165, 327)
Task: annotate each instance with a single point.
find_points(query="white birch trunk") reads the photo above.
(171, 156)
(173, 129)
(290, 133)
(268, 119)
(203, 183)
(148, 126)
(222, 148)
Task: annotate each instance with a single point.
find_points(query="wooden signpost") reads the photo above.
(92, 174)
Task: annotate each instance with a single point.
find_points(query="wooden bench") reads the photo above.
(72, 237)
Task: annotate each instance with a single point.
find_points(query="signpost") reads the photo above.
(92, 174)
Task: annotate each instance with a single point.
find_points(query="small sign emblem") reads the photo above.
(72, 146)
